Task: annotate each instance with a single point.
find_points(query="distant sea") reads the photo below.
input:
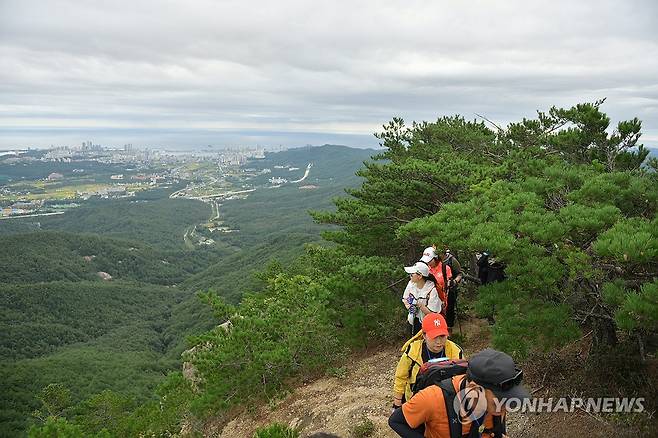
(176, 139)
(209, 148)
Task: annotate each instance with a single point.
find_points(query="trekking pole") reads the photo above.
(390, 286)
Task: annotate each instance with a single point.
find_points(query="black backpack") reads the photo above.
(435, 370)
(490, 271)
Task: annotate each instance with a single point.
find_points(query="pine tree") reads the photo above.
(569, 208)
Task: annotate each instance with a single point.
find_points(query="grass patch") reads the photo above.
(276, 430)
(364, 428)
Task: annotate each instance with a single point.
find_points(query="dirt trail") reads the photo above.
(338, 404)
(331, 404)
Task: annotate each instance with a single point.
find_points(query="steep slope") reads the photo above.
(355, 394)
(88, 335)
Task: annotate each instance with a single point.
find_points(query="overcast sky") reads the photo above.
(192, 73)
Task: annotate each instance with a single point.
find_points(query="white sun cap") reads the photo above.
(428, 254)
(419, 268)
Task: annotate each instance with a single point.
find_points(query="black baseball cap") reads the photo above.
(497, 371)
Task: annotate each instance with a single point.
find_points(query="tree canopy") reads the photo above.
(568, 206)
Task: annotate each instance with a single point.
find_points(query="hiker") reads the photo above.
(490, 270)
(451, 263)
(420, 296)
(441, 272)
(431, 343)
(491, 378)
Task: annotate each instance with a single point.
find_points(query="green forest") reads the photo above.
(63, 327)
(566, 201)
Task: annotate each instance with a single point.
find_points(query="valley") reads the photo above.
(102, 295)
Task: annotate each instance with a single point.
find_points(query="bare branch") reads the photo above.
(494, 124)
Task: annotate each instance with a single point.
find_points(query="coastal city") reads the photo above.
(38, 182)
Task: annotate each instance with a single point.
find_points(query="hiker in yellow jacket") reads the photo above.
(429, 343)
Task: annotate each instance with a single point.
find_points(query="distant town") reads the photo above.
(50, 182)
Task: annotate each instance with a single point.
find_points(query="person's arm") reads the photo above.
(399, 424)
(457, 271)
(421, 407)
(434, 303)
(401, 378)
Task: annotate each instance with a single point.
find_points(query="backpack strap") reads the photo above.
(449, 395)
(454, 421)
(499, 428)
(444, 272)
(444, 303)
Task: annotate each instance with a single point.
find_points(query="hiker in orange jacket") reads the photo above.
(465, 405)
(433, 260)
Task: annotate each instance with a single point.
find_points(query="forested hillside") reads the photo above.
(274, 224)
(62, 324)
(160, 222)
(52, 256)
(86, 335)
(332, 165)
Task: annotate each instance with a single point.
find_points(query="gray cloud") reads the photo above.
(180, 72)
